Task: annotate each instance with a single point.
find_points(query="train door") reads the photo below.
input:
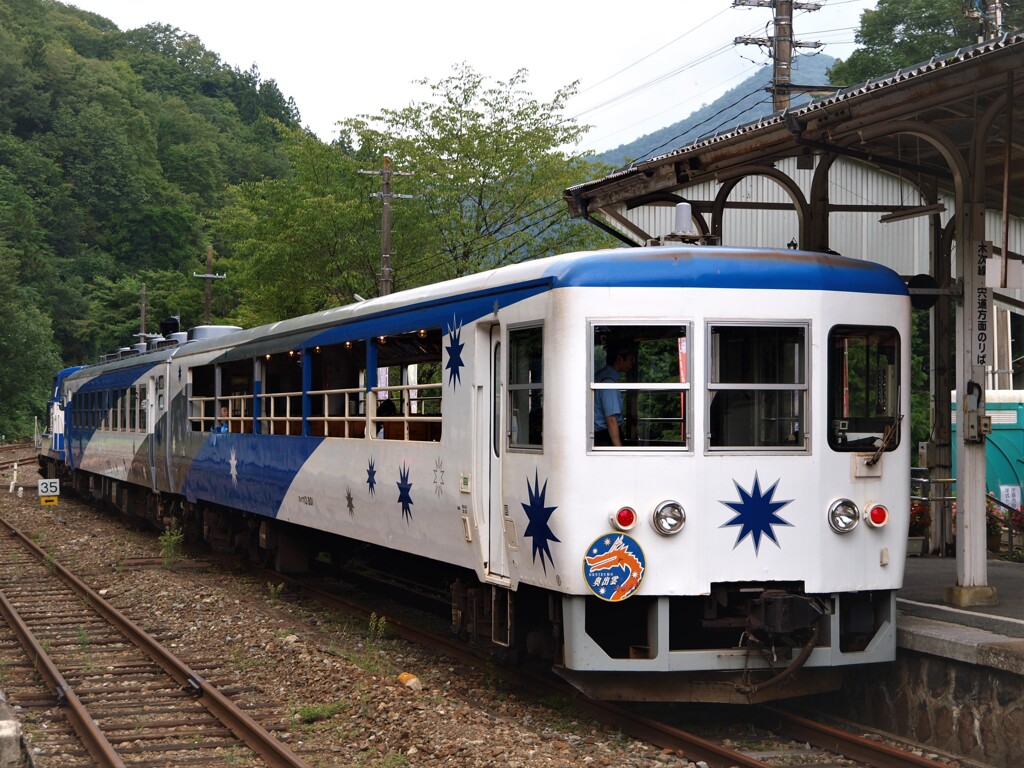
(493, 446)
(148, 407)
(161, 421)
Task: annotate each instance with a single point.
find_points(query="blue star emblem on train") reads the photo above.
(371, 477)
(755, 514)
(454, 350)
(614, 566)
(404, 496)
(538, 528)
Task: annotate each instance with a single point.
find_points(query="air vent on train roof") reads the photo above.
(202, 332)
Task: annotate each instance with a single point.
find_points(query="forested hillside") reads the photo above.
(115, 148)
(124, 155)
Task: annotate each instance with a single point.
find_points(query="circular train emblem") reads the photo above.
(614, 566)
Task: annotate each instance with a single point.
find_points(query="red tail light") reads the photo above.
(877, 516)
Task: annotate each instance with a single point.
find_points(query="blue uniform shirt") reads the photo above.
(607, 402)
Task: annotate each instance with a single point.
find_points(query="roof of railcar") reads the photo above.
(656, 266)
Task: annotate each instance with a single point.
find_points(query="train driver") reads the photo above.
(619, 357)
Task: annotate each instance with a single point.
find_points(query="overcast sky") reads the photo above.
(642, 64)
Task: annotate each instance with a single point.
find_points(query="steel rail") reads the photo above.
(245, 728)
(837, 740)
(822, 736)
(665, 736)
(88, 731)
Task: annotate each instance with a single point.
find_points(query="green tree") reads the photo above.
(489, 165)
(302, 243)
(900, 33)
(28, 352)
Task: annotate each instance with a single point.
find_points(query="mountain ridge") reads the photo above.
(741, 104)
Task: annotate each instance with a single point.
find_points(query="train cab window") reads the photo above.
(643, 373)
(526, 387)
(757, 386)
(863, 388)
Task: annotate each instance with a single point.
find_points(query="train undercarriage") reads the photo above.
(742, 643)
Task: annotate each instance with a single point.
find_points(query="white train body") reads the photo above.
(761, 417)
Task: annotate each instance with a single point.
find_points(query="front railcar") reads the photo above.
(52, 443)
(746, 539)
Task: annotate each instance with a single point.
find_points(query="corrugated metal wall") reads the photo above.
(902, 246)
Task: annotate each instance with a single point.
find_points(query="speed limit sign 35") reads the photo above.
(49, 490)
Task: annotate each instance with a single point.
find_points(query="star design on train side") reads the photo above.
(454, 349)
(371, 477)
(233, 463)
(350, 501)
(404, 497)
(438, 476)
(755, 514)
(538, 528)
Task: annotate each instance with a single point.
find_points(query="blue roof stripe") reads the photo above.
(117, 379)
(727, 268)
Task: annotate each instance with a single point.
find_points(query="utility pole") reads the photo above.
(781, 45)
(385, 195)
(209, 277)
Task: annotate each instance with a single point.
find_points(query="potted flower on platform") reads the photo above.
(993, 525)
(920, 527)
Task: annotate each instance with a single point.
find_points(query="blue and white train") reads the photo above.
(744, 542)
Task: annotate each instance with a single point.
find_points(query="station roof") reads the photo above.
(879, 122)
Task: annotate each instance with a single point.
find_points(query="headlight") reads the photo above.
(669, 518)
(843, 516)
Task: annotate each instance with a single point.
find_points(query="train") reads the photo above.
(675, 472)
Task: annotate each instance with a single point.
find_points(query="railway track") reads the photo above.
(769, 738)
(110, 694)
(16, 453)
(801, 741)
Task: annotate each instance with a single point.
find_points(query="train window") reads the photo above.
(526, 387)
(202, 398)
(640, 386)
(133, 409)
(143, 406)
(863, 388)
(281, 399)
(409, 385)
(236, 393)
(757, 386)
(337, 395)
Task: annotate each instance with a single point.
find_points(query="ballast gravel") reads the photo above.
(333, 681)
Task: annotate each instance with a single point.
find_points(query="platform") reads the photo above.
(991, 635)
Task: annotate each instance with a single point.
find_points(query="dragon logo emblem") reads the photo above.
(614, 567)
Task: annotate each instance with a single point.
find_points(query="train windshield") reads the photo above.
(863, 388)
(640, 386)
(757, 386)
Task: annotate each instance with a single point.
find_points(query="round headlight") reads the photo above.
(843, 516)
(669, 518)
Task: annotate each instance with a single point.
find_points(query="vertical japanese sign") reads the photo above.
(981, 305)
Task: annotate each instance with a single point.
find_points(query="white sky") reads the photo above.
(642, 64)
